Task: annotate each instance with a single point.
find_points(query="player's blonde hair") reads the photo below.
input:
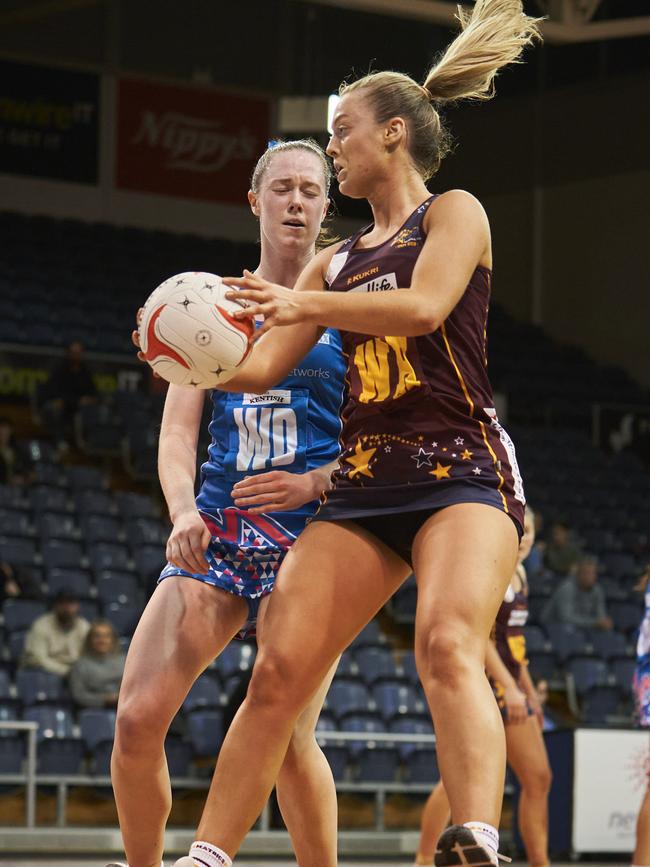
(325, 237)
(493, 35)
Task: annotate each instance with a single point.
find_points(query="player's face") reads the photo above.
(291, 203)
(528, 538)
(357, 146)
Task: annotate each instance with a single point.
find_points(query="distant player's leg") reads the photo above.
(641, 856)
(332, 581)
(435, 818)
(527, 758)
(463, 558)
(184, 626)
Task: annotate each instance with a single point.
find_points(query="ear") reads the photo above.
(395, 131)
(326, 209)
(252, 199)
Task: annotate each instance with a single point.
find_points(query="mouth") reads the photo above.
(294, 224)
(338, 170)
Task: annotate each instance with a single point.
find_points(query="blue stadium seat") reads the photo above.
(119, 587)
(109, 555)
(619, 564)
(347, 696)
(5, 685)
(623, 670)
(409, 725)
(58, 525)
(608, 644)
(16, 522)
(179, 756)
(395, 698)
(587, 672)
(326, 723)
(566, 640)
(404, 603)
(46, 473)
(542, 665)
(370, 635)
(12, 753)
(19, 614)
(45, 498)
(337, 758)
(15, 644)
(91, 502)
(361, 722)
(77, 580)
(600, 703)
(147, 531)
(409, 667)
(123, 617)
(347, 667)
(97, 725)
(18, 551)
(235, 658)
(626, 615)
(535, 638)
(14, 497)
(82, 478)
(101, 528)
(63, 553)
(422, 766)
(60, 756)
(377, 764)
(53, 721)
(375, 663)
(205, 693)
(133, 506)
(34, 685)
(205, 730)
(149, 559)
(100, 760)
(89, 609)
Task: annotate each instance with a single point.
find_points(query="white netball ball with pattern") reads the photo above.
(188, 333)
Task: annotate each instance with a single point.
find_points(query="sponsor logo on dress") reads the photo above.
(382, 283)
(311, 372)
(409, 237)
(277, 396)
(362, 275)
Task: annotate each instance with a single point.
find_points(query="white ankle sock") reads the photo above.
(486, 835)
(208, 855)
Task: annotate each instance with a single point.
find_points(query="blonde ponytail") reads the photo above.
(493, 35)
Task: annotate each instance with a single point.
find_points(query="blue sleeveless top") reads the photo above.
(293, 427)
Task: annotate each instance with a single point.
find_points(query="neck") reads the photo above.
(281, 269)
(395, 197)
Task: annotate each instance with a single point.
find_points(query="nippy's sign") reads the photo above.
(188, 142)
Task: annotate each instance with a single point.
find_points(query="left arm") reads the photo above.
(458, 238)
(279, 491)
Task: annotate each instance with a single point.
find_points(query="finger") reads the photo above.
(255, 488)
(260, 477)
(188, 555)
(176, 559)
(267, 325)
(244, 502)
(269, 507)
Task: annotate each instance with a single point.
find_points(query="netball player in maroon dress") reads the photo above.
(507, 667)
(427, 475)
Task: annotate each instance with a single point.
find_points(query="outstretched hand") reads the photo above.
(275, 491)
(277, 304)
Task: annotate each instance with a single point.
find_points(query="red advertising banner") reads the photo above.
(188, 142)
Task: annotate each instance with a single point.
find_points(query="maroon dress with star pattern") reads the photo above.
(419, 427)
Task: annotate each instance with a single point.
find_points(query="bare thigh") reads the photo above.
(185, 625)
(527, 753)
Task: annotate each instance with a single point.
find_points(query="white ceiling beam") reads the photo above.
(442, 12)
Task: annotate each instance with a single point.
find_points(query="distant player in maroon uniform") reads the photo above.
(427, 477)
(507, 668)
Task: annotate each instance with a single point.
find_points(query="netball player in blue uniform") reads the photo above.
(641, 855)
(426, 474)
(270, 457)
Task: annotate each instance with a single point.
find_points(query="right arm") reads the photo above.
(513, 696)
(179, 434)
(277, 352)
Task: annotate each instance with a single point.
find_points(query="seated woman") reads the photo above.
(96, 676)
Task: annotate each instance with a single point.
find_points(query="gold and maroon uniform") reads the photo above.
(419, 427)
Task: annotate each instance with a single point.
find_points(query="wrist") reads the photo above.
(180, 511)
(313, 307)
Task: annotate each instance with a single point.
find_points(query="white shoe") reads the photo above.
(186, 861)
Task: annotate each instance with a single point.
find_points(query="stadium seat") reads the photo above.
(149, 560)
(608, 644)
(133, 506)
(123, 617)
(395, 698)
(422, 766)
(409, 725)
(6, 691)
(623, 670)
(19, 551)
(12, 753)
(367, 723)
(535, 639)
(599, 704)
(14, 497)
(122, 587)
(337, 758)
(347, 667)
(19, 614)
(326, 723)
(100, 759)
(16, 522)
(53, 721)
(63, 553)
(101, 528)
(179, 756)
(374, 663)
(34, 685)
(369, 636)
(82, 477)
(58, 525)
(15, 644)
(205, 693)
(409, 667)
(235, 658)
(205, 730)
(626, 616)
(45, 498)
(109, 555)
(347, 696)
(587, 672)
(77, 580)
(566, 640)
(45, 473)
(97, 725)
(377, 764)
(91, 502)
(60, 755)
(147, 531)
(542, 665)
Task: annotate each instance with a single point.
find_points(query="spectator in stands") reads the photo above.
(13, 464)
(579, 599)
(534, 563)
(70, 386)
(55, 640)
(16, 582)
(96, 676)
(561, 553)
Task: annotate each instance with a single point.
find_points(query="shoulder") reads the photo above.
(314, 274)
(455, 206)
(44, 623)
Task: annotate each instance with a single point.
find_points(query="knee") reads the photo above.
(538, 780)
(139, 727)
(275, 685)
(445, 656)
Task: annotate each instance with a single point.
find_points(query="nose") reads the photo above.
(295, 201)
(330, 150)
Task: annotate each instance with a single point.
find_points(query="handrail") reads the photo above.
(29, 728)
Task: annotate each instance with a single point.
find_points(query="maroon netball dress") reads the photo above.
(508, 635)
(419, 427)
